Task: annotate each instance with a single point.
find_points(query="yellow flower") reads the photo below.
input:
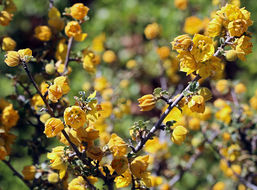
(120, 164)
(187, 62)
(179, 134)
(243, 47)
(253, 102)
(219, 186)
(29, 172)
(147, 102)
(55, 20)
(152, 31)
(124, 180)
(226, 136)
(224, 114)
(53, 177)
(89, 134)
(156, 181)
(197, 104)
(79, 11)
(203, 48)
(73, 29)
(56, 158)
(154, 145)
(131, 64)
(61, 68)
(77, 184)
(61, 50)
(109, 56)
(241, 187)
(100, 83)
(62, 82)
(194, 123)
(50, 69)
(43, 33)
(193, 25)
(12, 58)
(5, 18)
(211, 67)
(53, 127)
(95, 153)
(139, 165)
(75, 117)
(44, 117)
(8, 44)
(231, 55)
(165, 186)
(25, 54)
(181, 4)
(163, 52)
(205, 93)
(222, 86)
(106, 109)
(37, 102)
(9, 116)
(117, 146)
(240, 88)
(214, 26)
(54, 93)
(181, 43)
(237, 27)
(98, 43)
(90, 62)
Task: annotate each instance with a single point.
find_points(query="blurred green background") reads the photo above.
(116, 18)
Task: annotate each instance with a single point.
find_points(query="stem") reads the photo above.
(89, 185)
(25, 67)
(163, 116)
(15, 172)
(67, 58)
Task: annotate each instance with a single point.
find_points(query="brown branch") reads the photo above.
(89, 184)
(67, 58)
(25, 67)
(156, 127)
(15, 172)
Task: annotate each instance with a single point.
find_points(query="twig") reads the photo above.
(89, 184)
(15, 172)
(156, 127)
(25, 67)
(67, 58)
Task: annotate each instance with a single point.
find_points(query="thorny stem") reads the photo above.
(67, 58)
(156, 127)
(15, 172)
(36, 87)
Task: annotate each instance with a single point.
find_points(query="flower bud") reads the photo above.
(29, 172)
(50, 69)
(43, 33)
(181, 43)
(53, 126)
(5, 18)
(79, 11)
(8, 44)
(179, 134)
(109, 56)
(12, 58)
(231, 55)
(147, 102)
(152, 31)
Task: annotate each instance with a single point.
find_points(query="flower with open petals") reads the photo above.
(53, 127)
(75, 117)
